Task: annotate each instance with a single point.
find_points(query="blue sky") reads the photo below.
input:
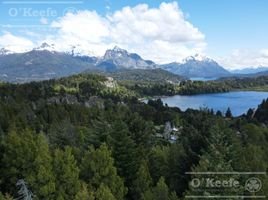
(231, 31)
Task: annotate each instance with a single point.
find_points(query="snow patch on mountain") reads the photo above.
(45, 47)
(4, 51)
(197, 66)
(197, 57)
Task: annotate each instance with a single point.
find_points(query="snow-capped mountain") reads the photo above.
(118, 58)
(4, 51)
(77, 50)
(197, 57)
(73, 50)
(46, 47)
(197, 66)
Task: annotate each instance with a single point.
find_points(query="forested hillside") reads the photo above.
(188, 87)
(87, 137)
(145, 75)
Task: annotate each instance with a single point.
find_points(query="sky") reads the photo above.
(232, 32)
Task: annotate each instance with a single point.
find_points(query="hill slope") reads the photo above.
(145, 75)
(40, 65)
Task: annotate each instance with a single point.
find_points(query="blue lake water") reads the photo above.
(203, 79)
(239, 102)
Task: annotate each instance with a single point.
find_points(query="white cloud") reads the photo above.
(15, 43)
(239, 59)
(264, 53)
(86, 29)
(161, 34)
(167, 23)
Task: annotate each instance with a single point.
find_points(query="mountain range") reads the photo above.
(250, 70)
(39, 65)
(45, 62)
(197, 66)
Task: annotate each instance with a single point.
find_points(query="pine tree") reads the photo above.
(43, 180)
(173, 196)
(84, 193)
(124, 152)
(161, 191)
(140, 132)
(158, 162)
(178, 163)
(228, 113)
(250, 113)
(63, 134)
(97, 168)
(66, 173)
(219, 113)
(104, 193)
(143, 182)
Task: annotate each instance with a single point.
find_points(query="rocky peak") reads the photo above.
(45, 47)
(116, 52)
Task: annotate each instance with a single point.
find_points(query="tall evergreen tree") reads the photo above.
(161, 191)
(104, 193)
(228, 113)
(67, 174)
(143, 181)
(43, 177)
(98, 168)
(158, 162)
(84, 193)
(177, 166)
(124, 152)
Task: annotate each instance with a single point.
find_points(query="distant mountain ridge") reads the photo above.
(45, 62)
(40, 65)
(197, 66)
(250, 70)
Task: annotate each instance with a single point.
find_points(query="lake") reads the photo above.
(203, 79)
(239, 102)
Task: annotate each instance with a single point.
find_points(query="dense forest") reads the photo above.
(88, 137)
(157, 75)
(188, 87)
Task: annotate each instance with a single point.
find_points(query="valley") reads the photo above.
(87, 130)
(120, 127)
(133, 100)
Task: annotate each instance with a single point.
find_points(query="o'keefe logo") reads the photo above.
(253, 185)
(195, 183)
